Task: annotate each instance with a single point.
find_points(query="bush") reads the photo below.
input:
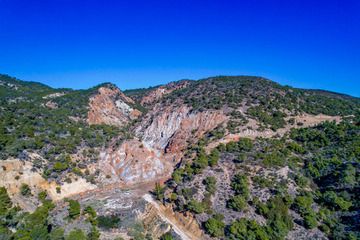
(237, 203)
(166, 236)
(25, 190)
(240, 185)
(76, 234)
(42, 196)
(247, 229)
(335, 202)
(210, 184)
(57, 234)
(74, 208)
(310, 221)
(195, 206)
(108, 222)
(5, 201)
(159, 191)
(91, 215)
(302, 204)
(215, 226)
(214, 157)
(60, 166)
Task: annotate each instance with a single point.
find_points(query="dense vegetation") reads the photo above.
(324, 166)
(320, 190)
(38, 225)
(262, 99)
(27, 125)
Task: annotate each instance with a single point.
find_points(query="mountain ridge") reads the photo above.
(194, 136)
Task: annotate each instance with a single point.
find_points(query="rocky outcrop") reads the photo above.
(161, 91)
(133, 162)
(161, 138)
(110, 106)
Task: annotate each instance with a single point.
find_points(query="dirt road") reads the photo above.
(183, 233)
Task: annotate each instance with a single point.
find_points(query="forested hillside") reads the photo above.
(233, 157)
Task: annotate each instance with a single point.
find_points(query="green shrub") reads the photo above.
(60, 166)
(310, 221)
(215, 226)
(25, 189)
(247, 229)
(74, 208)
(237, 203)
(166, 236)
(5, 201)
(108, 222)
(210, 184)
(76, 234)
(195, 206)
(240, 185)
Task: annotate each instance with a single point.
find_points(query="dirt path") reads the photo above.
(305, 120)
(177, 227)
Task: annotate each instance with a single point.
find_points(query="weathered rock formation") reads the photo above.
(159, 92)
(110, 106)
(161, 138)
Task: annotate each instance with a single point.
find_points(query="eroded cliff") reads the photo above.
(110, 106)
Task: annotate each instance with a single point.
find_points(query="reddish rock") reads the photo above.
(110, 106)
(162, 136)
(156, 94)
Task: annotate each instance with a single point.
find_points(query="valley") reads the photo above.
(216, 158)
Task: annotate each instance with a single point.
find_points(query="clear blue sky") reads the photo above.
(70, 43)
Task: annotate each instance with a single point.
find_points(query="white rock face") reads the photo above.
(123, 107)
(162, 127)
(161, 138)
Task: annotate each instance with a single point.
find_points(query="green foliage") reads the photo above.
(74, 208)
(210, 184)
(25, 190)
(200, 162)
(332, 164)
(94, 234)
(57, 234)
(177, 175)
(5, 201)
(27, 125)
(302, 204)
(269, 118)
(247, 229)
(240, 185)
(262, 182)
(35, 225)
(243, 145)
(215, 226)
(237, 203)
(195, 206)
(310, 221)
(91, 215)
(137, 231)
(159, 191)
(60, 166)
(166, 236)
(279, 222)
(214, 157)
(108, 222)
(42, 196)
(336, 202)
(76, 234)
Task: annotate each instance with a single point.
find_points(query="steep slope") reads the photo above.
(244, 147)
(36, 120)
(234, 106)
(110, 106)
